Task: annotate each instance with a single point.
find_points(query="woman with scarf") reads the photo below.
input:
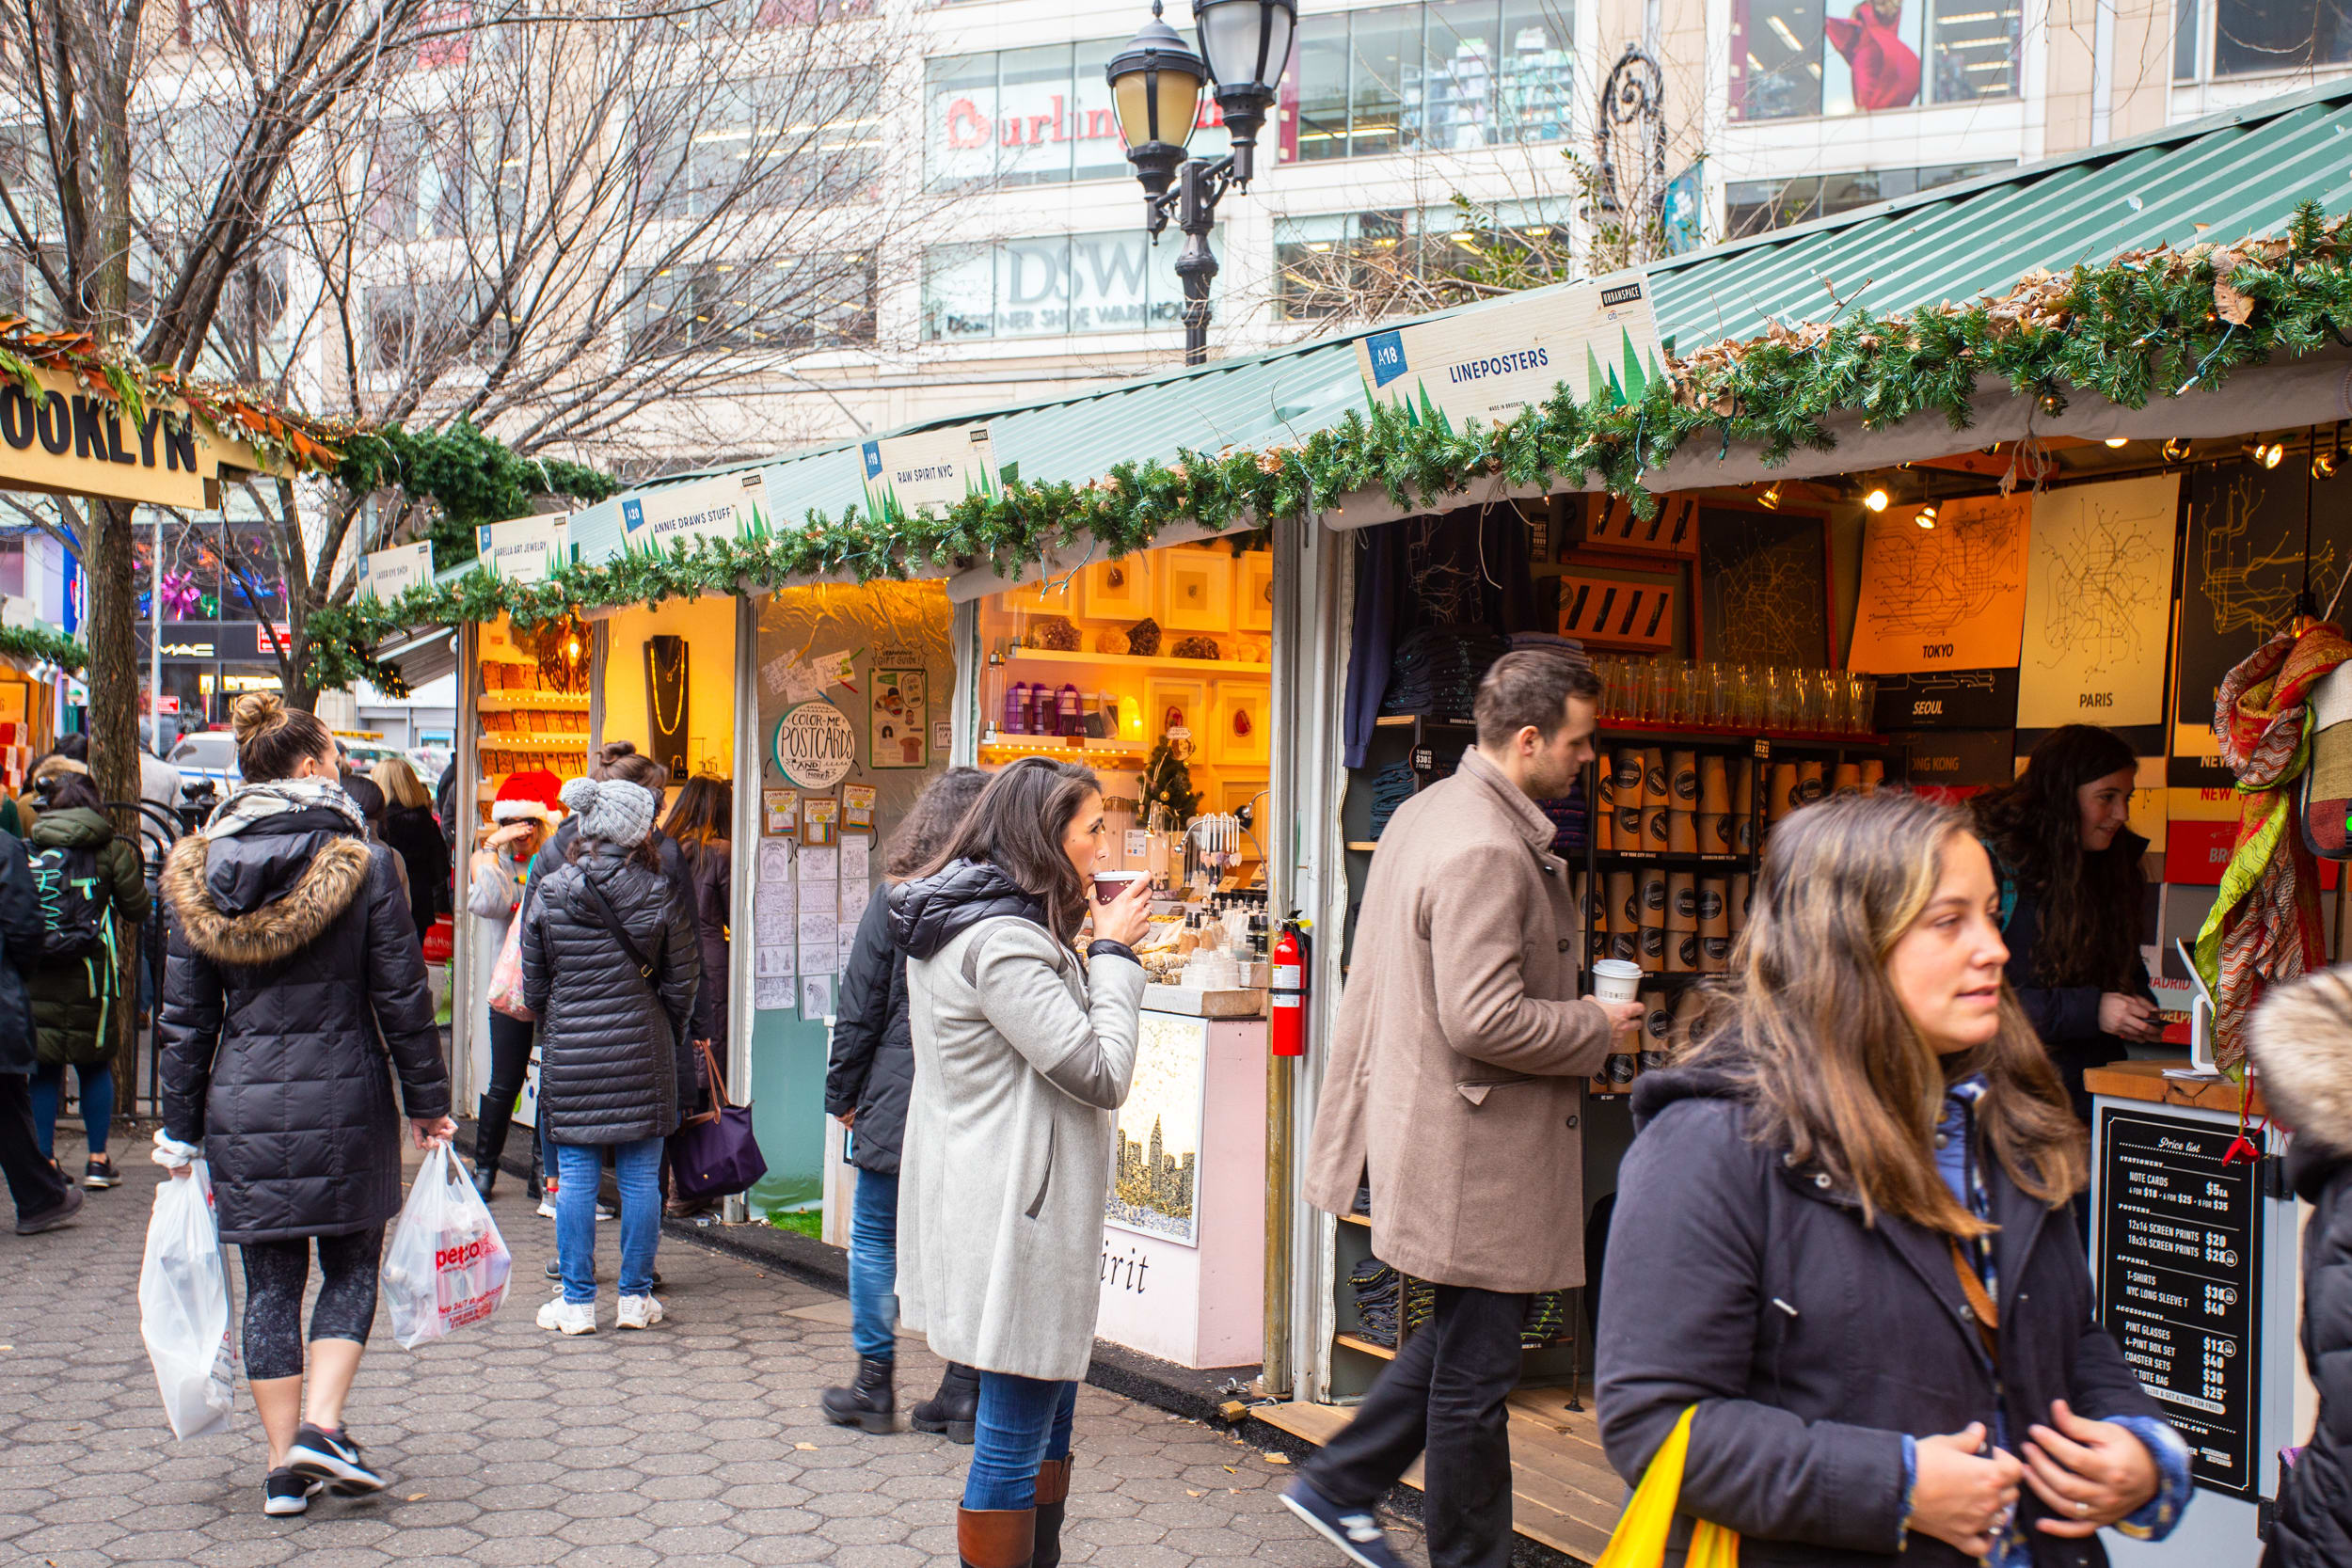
(2072, 890)
(1842, 1247)
(293, 972)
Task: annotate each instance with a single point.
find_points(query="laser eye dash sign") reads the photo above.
(816, 745)
(1490, 363)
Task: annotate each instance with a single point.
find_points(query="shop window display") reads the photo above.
(1757, 206)
(533, 705)
(1451, 76)
(1796, 58)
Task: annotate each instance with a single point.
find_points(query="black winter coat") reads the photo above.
(2066, 1017)
(617, 1059)
(417, 839)
(292, 969)
(710, 876)
(872, 1070)
(1811, 1342)
(20, 930)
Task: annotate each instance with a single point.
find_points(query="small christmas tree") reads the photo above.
(1166, 782)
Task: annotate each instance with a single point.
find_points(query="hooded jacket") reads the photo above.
(2301, 1040)
(1021, 1056)
(2066, 1017)
(71, 996)
(872, 1067)
(20, 928)
(293, 972)
(1811, 1343)
(416, 838)
(711, 881)
(616, 1058)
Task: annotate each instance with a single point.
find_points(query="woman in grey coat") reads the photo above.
(1022, 1053)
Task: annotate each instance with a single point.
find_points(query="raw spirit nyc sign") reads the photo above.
(71, 443)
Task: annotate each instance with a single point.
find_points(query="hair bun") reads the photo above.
(257, 713)
(613, 750)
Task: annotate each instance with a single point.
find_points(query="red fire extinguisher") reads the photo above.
(1288, 990)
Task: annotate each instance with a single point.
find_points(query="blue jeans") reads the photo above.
(98, 1103)
(1023, 1423)
(874, 1266)
(577, 1167)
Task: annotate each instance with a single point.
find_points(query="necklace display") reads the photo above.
(676, 676)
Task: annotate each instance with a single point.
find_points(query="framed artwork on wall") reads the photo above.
(1117, 589)
(1256, 610)
(1237, 729)
(1196, 590)
(1175, 702)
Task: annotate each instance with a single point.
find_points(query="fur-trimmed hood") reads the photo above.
(2301, 1041)
(211, 885)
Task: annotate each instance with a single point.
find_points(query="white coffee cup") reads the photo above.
(1615, 980)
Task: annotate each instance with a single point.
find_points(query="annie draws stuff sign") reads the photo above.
(731, 506)
(816, 745)
(1491, 362)
(929, 472)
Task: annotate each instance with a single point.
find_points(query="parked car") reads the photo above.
(207, 754)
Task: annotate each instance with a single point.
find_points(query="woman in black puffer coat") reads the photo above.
(293, 972)
(2302, 1043)
(867, 1085)
(611, 966)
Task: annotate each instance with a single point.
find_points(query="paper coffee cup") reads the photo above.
(1657, 793)
(1615, 980)
(1682, 833)
(1111, 884)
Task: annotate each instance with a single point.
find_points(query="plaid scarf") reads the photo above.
(252, 802)
(2264, 926)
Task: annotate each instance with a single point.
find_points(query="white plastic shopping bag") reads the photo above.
(448, 1265)
(183, 1307)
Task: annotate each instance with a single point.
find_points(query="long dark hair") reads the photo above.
(1811, 1029)
(925, 829)
(70, 792)
(2090, 904)
(703, 812)
(1017, 823)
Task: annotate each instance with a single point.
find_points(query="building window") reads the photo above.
(1754, 206)
(1052, 287)
(789, 304)
(1365, 265)
(754, 145)
(427, 327)
(1446, 76)
(1791, 59)
(2220, 39)
(1032, 117)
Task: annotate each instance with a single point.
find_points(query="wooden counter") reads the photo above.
(2145, 1081)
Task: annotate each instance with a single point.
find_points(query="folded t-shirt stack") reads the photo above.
(1379, 1290)
(1547, 1320)
(1435, 671)
(1392, 787)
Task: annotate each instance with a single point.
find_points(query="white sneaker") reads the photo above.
(564, 1316)
(547, 1209)
(638, 1312)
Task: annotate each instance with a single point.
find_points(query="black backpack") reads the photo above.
(75, 916)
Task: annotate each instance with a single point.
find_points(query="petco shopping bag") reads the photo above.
(183, 1307)
(448, 1265)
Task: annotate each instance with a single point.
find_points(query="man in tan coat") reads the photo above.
(1455, 1086)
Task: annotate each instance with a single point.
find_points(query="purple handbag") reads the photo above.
(714, 1154)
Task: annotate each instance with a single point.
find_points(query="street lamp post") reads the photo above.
(1155, 93)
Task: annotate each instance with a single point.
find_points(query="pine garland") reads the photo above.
(39, 644)
(2145, 325)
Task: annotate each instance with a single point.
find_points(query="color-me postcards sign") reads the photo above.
(1489, 363)
(928, 471)
(731, 506)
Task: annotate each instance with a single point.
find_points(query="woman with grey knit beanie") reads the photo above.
(611, 965)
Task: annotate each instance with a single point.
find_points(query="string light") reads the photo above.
(1769, 499)
(1875, 501)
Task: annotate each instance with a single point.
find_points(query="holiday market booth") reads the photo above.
(1875, 501)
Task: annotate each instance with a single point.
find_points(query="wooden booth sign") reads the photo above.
(1604, 613)
(1672, 530)
(71, 442)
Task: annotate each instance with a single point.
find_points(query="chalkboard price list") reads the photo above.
(2179, 1247)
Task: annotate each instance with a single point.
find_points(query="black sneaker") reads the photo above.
(99, 1175)
(1354, 1532)
(333, 1458)
(285, 1492)
(49, 1219)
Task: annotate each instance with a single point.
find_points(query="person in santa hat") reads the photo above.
(525, 812)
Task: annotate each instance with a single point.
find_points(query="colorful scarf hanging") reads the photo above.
(2265, 927)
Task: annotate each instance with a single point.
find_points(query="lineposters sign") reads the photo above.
(929, 472)
(1489, 363)
(730, 506)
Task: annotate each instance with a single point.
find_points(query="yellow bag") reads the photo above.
(1640, 1538)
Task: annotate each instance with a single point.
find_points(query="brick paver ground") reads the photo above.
(698, 1443)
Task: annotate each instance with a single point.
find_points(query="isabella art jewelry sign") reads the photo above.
(1490, 362)
(524, 549)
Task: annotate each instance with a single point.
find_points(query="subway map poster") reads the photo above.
(2098, 600)
(1947, 597)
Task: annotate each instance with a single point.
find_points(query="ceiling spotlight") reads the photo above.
(1769, 499)
(1925, 517)
(2323, 463)
(1875, 501)
(2267, 454)
(2175, 450)
(2119, 440)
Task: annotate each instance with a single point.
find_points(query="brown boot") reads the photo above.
(996, 1537)
(1053, 1490)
